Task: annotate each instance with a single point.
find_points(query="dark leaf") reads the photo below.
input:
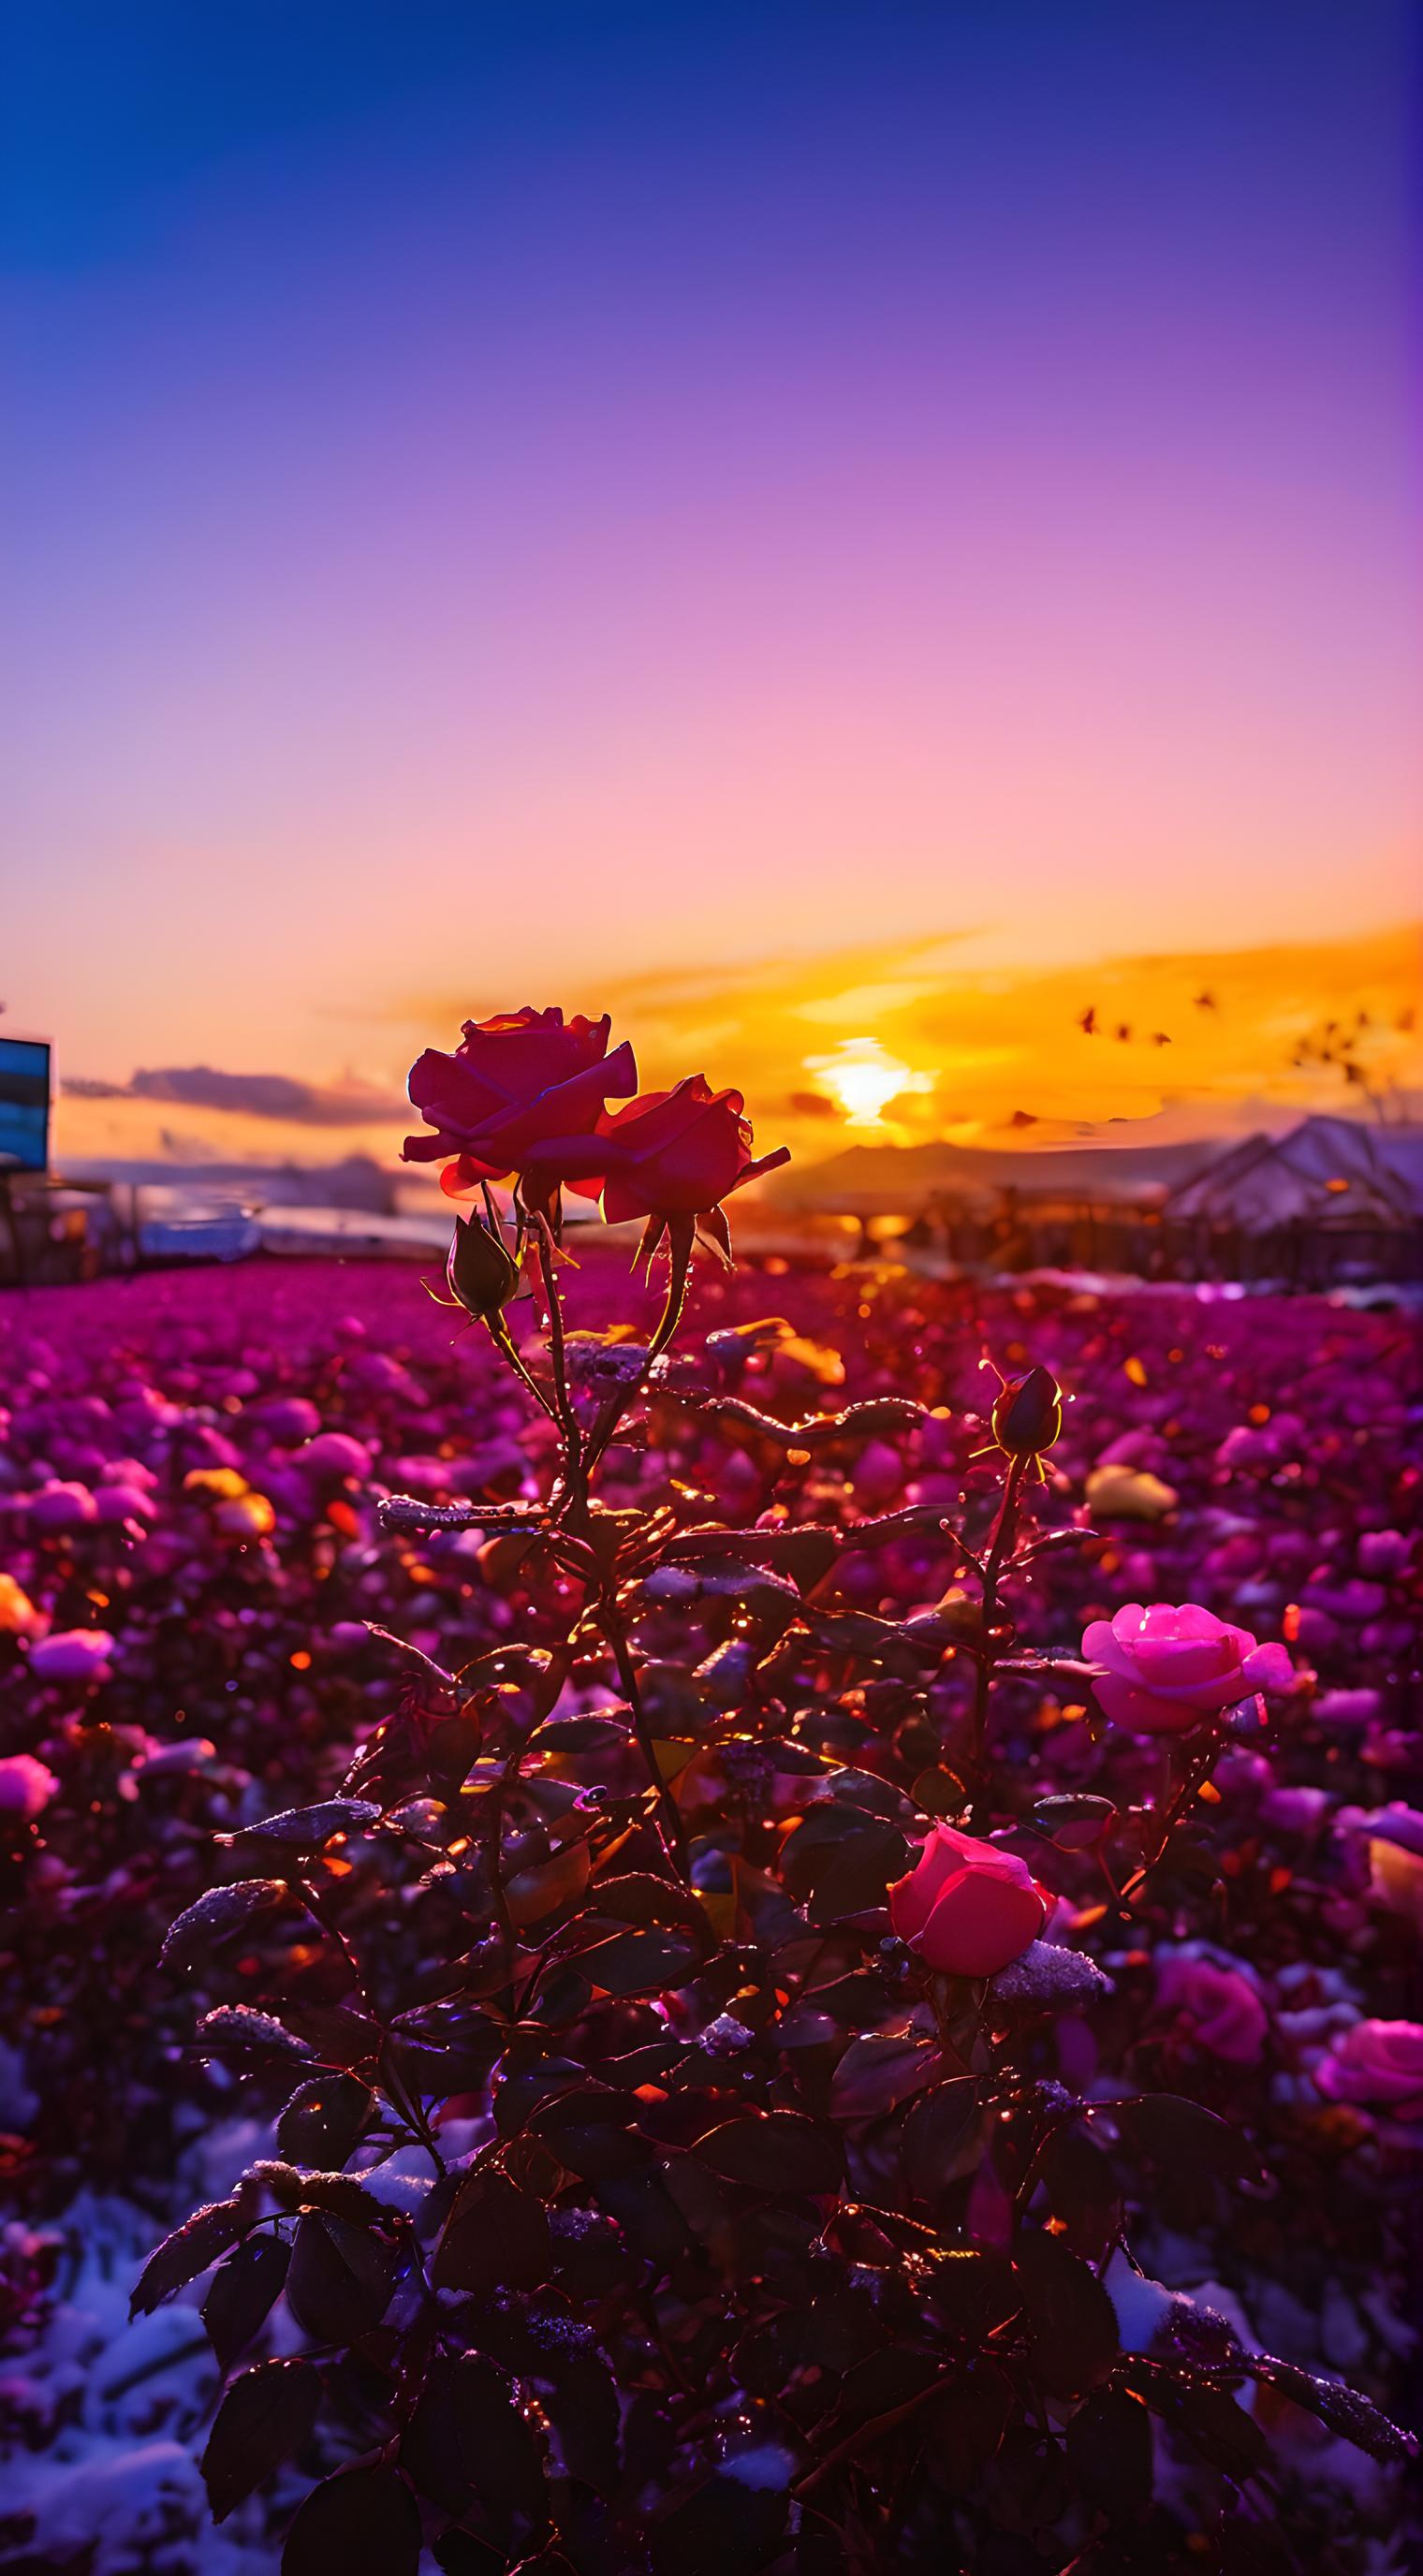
(236, 2031)
(324, 2119)
(341, 2193)
(649, 2217)
(458, 2553)
(971, 2290)
(939, 1792)
(187, 2252)
(638, 1897)
(1170, 2130)
(1073, 2320)
(579, 2393)
(1109, 2453)
(337, 2035)
(1210, 2423)
(495, 2237)
(241, 2294)
(724, 2524)
(961, 2431)
(857, 1874)
(340, 2280)
(878, 2071)
(304, 1829)
(361, 2522)
(780, 2151)
(265, 2416)
(218, 1915)
(639, 1962)
(1082, 2189)
(937, 2127)
(592, 2132)
(1073, 1819)
(467, 2440)
(880, 2385)
(1343, 2410)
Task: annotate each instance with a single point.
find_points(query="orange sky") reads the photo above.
(902, 1041)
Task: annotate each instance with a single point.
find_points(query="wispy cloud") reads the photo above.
(270, 1096)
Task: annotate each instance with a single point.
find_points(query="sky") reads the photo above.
(748, 508)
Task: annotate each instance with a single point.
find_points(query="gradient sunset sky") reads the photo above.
(852, 514)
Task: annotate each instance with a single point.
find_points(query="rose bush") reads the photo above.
(590, 2172)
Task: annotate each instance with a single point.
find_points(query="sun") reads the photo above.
(862, 1077)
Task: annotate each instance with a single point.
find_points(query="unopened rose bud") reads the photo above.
(482, 1273)
(1027, 1416)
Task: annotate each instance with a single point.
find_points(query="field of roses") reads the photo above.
(776, 1930)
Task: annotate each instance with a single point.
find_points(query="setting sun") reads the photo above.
(862, 1077)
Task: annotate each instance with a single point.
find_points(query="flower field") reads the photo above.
(770, 2011)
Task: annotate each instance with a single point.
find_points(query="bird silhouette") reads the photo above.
(1160, 1038)
(1207, 1002)
(1088, 1022)
(1123, 1032)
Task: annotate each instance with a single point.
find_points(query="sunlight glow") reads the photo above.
(862, 1077)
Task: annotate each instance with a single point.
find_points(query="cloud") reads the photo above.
(278, 1096)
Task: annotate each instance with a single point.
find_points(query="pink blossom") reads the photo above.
(1220, 2007)
(1167, 1668)
(74, 1655)
(26, 1785)
(333, 1455)
(1377, 2062)
(61, 1507)
(966, 1907)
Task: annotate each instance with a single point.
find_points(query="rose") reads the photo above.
(26, 1785)
(966, 1907)
(1166, 1668)
(515, 1082)
(1220, 2006)
(1378, 2062)
(672, 1153)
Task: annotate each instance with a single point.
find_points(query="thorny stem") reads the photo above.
(405, 2104)
(999, 1544)
(669, 1816)
(1192, 1778)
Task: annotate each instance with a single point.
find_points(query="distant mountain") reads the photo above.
(904, 1176)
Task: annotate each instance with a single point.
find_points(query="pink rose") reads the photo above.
(1378, 2062)
(671, 1153)
(516, 1081)
(74, 1655)
(26, 1786)
(1220, 2006)
(1166, 1668)
(61, 1507)
(966, 1907)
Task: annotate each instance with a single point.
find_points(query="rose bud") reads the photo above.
(481, 1271)
(966, 1908)
(1027, 1413)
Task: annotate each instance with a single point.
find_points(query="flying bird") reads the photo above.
(1088, 1022)
(1207, 1002)
(1160, 1038)
(1123, 1032)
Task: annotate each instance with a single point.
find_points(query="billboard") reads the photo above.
(24, 1104)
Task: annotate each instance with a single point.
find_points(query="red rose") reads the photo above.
(673, 1153)
(516, 1082)
(966, 1907)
